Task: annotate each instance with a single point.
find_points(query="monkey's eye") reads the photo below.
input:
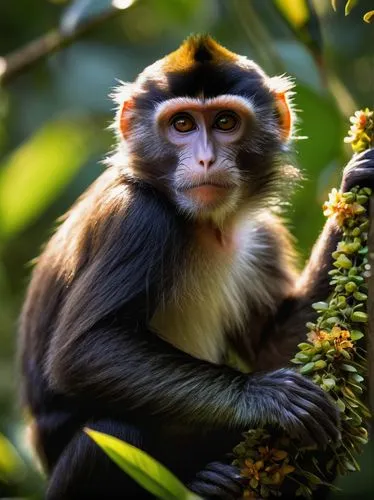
(183, 123)
(226, 121)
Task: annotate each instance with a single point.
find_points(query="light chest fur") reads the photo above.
(223, 282)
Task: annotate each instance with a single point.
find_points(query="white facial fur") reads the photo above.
(207, 180)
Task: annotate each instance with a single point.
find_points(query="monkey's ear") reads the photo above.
(285, 114)
(125, 112)
(281, 88)
(123, 97)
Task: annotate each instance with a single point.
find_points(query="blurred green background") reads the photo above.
(53, 132)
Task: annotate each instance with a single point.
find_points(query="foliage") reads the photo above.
(59, 148)
(11, 464)
(331, 355)
(349, 5)
(69, 89)
(149, 473)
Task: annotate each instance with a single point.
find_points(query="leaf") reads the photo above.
(312, 477)
(12, 467)
(144, 469)
(296, 12)
(359, 317)
(308, 368)
(304, 345)
(356, 335)
(369, 16)
(356, 377)
(349, 6)
(329, 382)
(348, 368)
(302, 357)
(320, 306)
(38, 170)
(320, 364)
(351, 466)
(340, 404)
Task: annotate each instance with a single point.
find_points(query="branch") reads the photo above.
(24, 58)
(370, 305)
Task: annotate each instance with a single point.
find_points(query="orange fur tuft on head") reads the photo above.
(195, 49)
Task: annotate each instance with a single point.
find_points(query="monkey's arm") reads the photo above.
(287, 328)
(102, 351)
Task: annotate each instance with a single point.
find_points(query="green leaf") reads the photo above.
(312, 477)
(12, 467)
(302, 357)
(329, 382)
(349, 6)
(320, 364)
(304, 345)
(320, 306)
(356, 377)
(359, 317)
(308, 368)
(38, 170)
(144, 469)
(340, 404)
(356, 335)
(348, 368)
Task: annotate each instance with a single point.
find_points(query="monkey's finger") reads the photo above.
(210, 490)
(224, 475)
(319, 398)
(367, 154)
(362, 158)
(230, 471)
(361, 176)
(294, 426)
(325, 429)
(315, 429)
(231, 486)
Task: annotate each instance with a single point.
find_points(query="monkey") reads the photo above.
(175, 257)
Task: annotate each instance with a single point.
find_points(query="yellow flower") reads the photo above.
(338, 207)
(361, 133)
(252, 468)
(317, 337)
(250, 494)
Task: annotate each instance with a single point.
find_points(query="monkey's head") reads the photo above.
(207, 127)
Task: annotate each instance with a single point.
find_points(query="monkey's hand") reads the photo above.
(293, 402)
(218, 481)
(359, 171)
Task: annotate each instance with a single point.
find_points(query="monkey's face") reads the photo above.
(207, 128)
(206, 136)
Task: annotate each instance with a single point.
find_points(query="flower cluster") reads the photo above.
(340, 205)
(332, 355)
(361, 133)
(264, 467)
(271, 462)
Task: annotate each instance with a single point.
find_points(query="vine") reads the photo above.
(332, 356)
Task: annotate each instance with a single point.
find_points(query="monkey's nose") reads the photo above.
(207, 163)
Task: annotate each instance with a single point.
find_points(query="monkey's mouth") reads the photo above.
(207, 193)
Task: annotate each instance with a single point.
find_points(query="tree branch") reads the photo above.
(24, 58)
